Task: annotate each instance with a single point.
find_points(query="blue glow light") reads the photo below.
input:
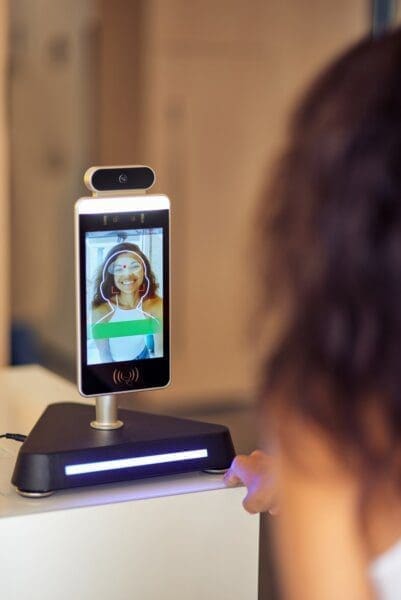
(135, 461)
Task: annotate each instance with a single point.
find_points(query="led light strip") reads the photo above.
(137, 461)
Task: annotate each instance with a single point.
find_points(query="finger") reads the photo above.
(240, 468)
(258, 454)
(230, 479)
(250, 505)
(259, 501)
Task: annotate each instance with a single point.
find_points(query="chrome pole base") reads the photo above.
(107, 426)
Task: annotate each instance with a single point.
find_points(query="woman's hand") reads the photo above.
(256, 472)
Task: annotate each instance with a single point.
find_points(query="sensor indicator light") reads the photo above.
(135, 461)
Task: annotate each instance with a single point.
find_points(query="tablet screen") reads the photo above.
(124, 295)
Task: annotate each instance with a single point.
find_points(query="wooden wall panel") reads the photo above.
(220, 79)
(52, 108)
(120, 77)
(4, 190)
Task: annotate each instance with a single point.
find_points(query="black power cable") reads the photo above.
(18, 437)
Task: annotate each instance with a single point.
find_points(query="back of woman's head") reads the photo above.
(332, 257)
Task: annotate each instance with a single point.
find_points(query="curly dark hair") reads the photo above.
(108, 283)
(331, 247)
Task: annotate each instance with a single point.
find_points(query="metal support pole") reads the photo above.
(106, 413)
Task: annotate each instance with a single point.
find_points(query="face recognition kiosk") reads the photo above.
(122, 243)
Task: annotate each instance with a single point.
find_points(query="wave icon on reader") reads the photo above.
(126, 377)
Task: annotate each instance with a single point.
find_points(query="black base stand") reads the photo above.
(64, 451)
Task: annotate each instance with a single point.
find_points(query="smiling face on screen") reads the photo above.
(128, 273)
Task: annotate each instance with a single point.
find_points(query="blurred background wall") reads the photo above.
(199, 90)
(4, 189)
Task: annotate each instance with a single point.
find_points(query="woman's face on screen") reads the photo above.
(128, 273)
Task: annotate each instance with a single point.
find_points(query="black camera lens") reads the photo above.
(132, 178)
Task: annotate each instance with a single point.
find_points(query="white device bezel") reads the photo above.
(113, 203)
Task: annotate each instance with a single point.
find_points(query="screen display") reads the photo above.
(124, 295)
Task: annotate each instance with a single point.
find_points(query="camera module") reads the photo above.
(122, 177)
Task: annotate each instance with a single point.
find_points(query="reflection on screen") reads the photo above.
(124, 295)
